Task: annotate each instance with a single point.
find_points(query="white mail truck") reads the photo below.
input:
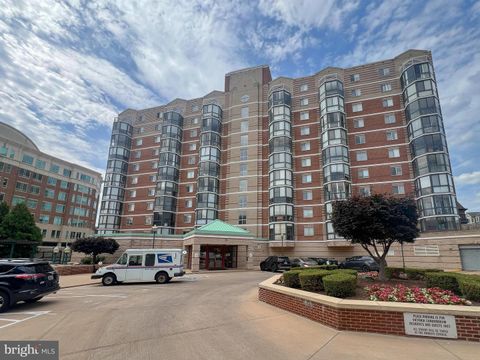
(143, 265)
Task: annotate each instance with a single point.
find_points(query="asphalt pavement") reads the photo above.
(200, 316)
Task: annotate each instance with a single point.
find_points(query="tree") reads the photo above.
(4, 209)
(95, 246)
(376, 222)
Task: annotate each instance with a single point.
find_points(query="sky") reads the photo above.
(67, 68)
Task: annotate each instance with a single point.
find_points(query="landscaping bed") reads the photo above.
(410, 285)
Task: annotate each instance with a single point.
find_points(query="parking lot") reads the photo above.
(204, 316)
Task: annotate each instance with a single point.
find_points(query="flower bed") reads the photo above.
(401, 293)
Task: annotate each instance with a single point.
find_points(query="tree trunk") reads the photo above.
(94, 259)
(382, 264)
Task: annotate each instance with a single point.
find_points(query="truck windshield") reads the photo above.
(122, 260)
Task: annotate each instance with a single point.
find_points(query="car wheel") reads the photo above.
(109, 279)
(34, 300)
(262, 267)
(162, 278)
(274, 268)
(4, 301)
(365, 268)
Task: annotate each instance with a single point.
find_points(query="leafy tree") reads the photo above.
(4, 209)
(95, 246)
(376, 222)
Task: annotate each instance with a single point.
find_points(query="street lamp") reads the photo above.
(66, 253)
(154, 229)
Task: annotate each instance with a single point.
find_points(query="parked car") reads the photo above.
(324, 261)
(303, 262)
(26, 280)
(363, 263)
(143, 265)
(275, 263)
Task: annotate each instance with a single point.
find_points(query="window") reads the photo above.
(46, 206)
(187, 218)
(191, 174)
(151, 192)
(244, 140)
(133, 193)
(394, 153)
(149, 259)
(150, 206)
(398, 189)
(153, 178)
(242, 219)
(195, 108)
(390, 119)
(63, 184)
(307, 194)
(27, 159)
(193, 133)
(244, 112)
(358, 123)
(304, 87)
(356, 92)
(384, 72)
(148, 220)
(189, 188)
(307, 212)
(305, 146)
(4, 182)
(242, 201)
(304, 115)
(244, 126)
(305, 130)
(355, 77)
(188, 203)
(32, 204)
(59, 208)
(306, 162)
(363, 173)
(141, 130)
(131, 207)
(192, 146)
(191, 160)
(306, 178)
(138, 154)
(136, 167)
(243, 185)
(395, 170)
(386, 87)
(20, 186)
(364, 190)
(388, 102)
(156, 139)
(40, 164)
(244, 154)
(49, 193)
(361, 156)
(243, 169)
(62, 196)
(392, 135)
(308, 231)
(34, 189)
(357, 107)
(360, 139)
(304, 102)
(135, 260)
(139, 142)
(135, 180)
(43, 219)
(194, 121)
(154, 164)
(129, 220)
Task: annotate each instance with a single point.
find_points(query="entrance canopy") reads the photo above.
(220, 228)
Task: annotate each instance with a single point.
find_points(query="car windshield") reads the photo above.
(309, 261)
(283, 258)
(122, 260)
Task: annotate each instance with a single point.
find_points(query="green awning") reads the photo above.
(219, 227)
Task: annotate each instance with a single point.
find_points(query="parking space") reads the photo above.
(204, 316)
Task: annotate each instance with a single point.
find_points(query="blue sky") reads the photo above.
(67, 68)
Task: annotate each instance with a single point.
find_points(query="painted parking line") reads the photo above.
(28, 316)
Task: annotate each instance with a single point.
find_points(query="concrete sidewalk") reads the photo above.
(68, 281)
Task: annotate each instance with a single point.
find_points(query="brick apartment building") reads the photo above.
(62, 196)
(271, 155)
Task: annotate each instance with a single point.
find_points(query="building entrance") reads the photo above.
(218, 257)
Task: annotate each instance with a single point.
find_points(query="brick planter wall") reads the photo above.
(365, 320)
(75, 269)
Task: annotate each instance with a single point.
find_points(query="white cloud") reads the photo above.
(472, 178)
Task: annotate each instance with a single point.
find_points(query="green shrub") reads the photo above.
(312, 280)
(346, 271)
(410, 273)
(443, 280)
(87, 260)
(340, 285)
(318, 267)
(290, 278)
(469, 287)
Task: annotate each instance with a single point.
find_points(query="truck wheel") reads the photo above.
(109, 279)
(162, 278)
(4, 301)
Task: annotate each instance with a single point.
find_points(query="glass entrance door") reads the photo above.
(218, 257)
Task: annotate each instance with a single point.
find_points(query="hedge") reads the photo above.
(340, 285)
(410, 273)
(443, 280)
(346, 271)
(291, 279)
(469, 287)
(312, 280)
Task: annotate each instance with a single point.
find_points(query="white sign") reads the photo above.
(432, 325)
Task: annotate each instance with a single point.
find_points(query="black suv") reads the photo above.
(25, 280)
(274, 263)
(362, 263)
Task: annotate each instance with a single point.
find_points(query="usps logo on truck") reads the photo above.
(164, 258)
